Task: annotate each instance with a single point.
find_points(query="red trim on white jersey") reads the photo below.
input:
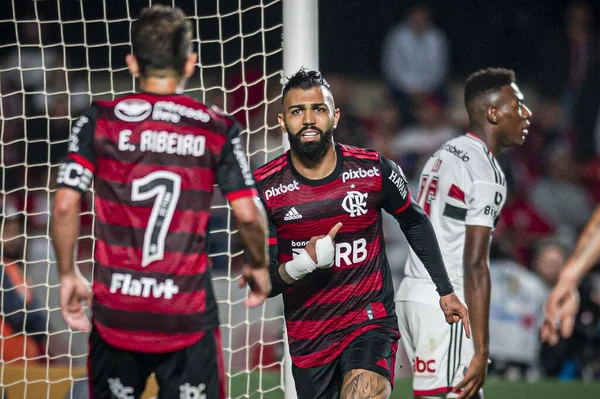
(477, 138)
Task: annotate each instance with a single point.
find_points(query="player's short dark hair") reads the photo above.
(161, 41)
(487, 81)
(304, 79)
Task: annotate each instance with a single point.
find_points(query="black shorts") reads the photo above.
(374, 350)
(188, 373)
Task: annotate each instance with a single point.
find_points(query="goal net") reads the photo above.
(55, 58)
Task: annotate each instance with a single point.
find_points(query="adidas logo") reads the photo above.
(292, 215)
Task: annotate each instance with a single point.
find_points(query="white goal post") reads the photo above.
(55, 58)
(300, 49)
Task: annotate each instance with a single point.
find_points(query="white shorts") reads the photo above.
(439, 353)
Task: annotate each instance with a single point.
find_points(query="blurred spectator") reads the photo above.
(516, 313)
(351, 129)
(23, 318)
(519, 226)
(557, 196)
(414, 145)
(38, 99)
(548, 128)
(575, 357)
(567, 57)
(383, 126)
(415, 59)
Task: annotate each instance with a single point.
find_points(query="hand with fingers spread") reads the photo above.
(474, 378)
(259, 281)
(74, 290)
(455, 310)
(319, 254)
(561, 310)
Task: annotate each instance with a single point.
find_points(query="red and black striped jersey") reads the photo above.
(328, 308)
(154, 161)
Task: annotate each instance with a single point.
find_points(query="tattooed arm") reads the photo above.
(563, 302)
(364, 384)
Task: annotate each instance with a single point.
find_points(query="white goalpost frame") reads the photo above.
(300, 49)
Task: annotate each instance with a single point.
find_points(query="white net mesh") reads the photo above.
(57, 57)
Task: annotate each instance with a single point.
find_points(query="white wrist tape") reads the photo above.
(303, 264)
(300, 266)
(325, 252)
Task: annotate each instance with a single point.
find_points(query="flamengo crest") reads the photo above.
(355, 203)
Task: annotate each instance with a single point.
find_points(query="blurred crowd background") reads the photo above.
(397, 72)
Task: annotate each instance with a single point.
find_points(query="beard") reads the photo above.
(312, 151)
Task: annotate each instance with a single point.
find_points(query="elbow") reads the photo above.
(61, 209)
(246, 216)
(66, 204)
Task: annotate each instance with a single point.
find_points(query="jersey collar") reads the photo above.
(477, 138)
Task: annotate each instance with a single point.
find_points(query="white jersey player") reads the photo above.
(462, 189)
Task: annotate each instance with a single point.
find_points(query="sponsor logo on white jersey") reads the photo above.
(188, 391)
(355, 203)
(172, 112)
(281, 189)
(133, 110)
(292, 215)
(119, 390)
(144, 287)
(460, 154)
(360, 173)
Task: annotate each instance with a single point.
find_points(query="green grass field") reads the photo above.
(494, 389)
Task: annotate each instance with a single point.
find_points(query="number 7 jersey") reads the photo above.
(461, 184)
(154, 160)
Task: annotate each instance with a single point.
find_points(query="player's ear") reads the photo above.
(190, 64)
(281, 122)
(336, 117)
(493, 115)
(132, 65)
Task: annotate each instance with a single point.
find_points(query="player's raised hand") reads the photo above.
(319, 253)
(455, 310)
(474, 378)
(561, 309)
(260, 285)
(321, 249)
(74, 290)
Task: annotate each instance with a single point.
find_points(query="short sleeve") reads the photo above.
(79, 167)
(234, 176)
(485, 201)
(395, 192)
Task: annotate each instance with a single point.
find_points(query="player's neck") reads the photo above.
(315, 170)
(169, 85)
(488, 138)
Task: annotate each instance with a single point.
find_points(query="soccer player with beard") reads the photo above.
(155, 157)
(462, 189)
(324, 203)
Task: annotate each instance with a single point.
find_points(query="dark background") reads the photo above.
(351, 32)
